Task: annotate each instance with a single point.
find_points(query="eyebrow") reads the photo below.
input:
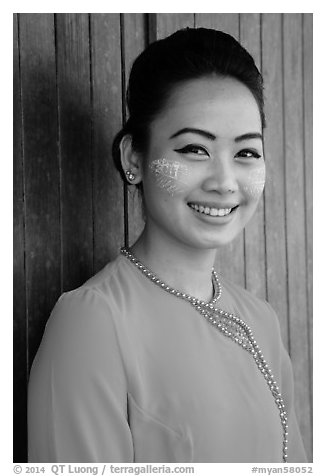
(193, 130)
(210, 136)
(249, 135)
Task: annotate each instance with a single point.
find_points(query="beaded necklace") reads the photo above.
(231, 326)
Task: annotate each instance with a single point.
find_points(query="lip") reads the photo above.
(213, 204)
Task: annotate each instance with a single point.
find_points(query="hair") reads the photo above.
(187, 54)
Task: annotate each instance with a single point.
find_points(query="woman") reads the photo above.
(156, 358)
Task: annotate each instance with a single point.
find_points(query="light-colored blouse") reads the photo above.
(127, 372)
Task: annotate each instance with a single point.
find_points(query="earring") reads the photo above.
(130, 176)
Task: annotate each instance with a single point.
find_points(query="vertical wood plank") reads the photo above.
(41, 171)
(229, 258)
(19, 289)
(272, 66)
(308, 155)
(168, 23)
(249, 35)
(75, 126)
(295, 224)
(227, 22)
(106, 86)
(134, 41)
(254, 235)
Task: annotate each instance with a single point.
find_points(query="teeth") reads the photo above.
(221, 212)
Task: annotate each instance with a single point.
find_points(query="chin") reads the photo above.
(218, 240)
(211, 243)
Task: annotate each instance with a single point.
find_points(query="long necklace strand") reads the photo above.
(231, 326)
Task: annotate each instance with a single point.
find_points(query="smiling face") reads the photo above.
(204, 169)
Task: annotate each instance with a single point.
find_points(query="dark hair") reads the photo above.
(187, 54)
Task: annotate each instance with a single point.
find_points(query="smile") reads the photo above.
(211, 211)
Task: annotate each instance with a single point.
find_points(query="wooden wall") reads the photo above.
(71, 210)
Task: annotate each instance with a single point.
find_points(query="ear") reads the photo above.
(130, 160)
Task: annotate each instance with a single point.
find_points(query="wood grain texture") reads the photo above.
(227, 22)
(134, 31)
(106, 119)
(41, 171)
(276, 265)
(308, 157)
(168, 23)
(19, 279)
(308, 143)
(75, 129)
(295, 217)
(254, 234)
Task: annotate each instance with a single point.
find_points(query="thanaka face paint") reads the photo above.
(255, 182)
(169, 175)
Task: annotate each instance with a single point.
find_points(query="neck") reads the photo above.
(182, 267)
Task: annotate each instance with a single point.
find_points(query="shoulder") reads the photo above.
(95, 305)
(253, 310)
(99, 293)
(109, 279)
(259, 315)
(86, 323)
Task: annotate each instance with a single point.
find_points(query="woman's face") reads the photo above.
(204, 171)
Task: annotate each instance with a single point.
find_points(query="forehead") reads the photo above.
(223, 106)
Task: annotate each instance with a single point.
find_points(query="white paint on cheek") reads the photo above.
(255, 182)
(170, 176)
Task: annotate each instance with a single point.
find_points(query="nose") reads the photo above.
(221, 177)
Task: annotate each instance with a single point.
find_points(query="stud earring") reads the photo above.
(130, 176)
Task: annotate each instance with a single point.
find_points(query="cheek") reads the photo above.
(169, 176)
(253, 183)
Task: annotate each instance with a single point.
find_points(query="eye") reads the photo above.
(193, 149)
(248, 154)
